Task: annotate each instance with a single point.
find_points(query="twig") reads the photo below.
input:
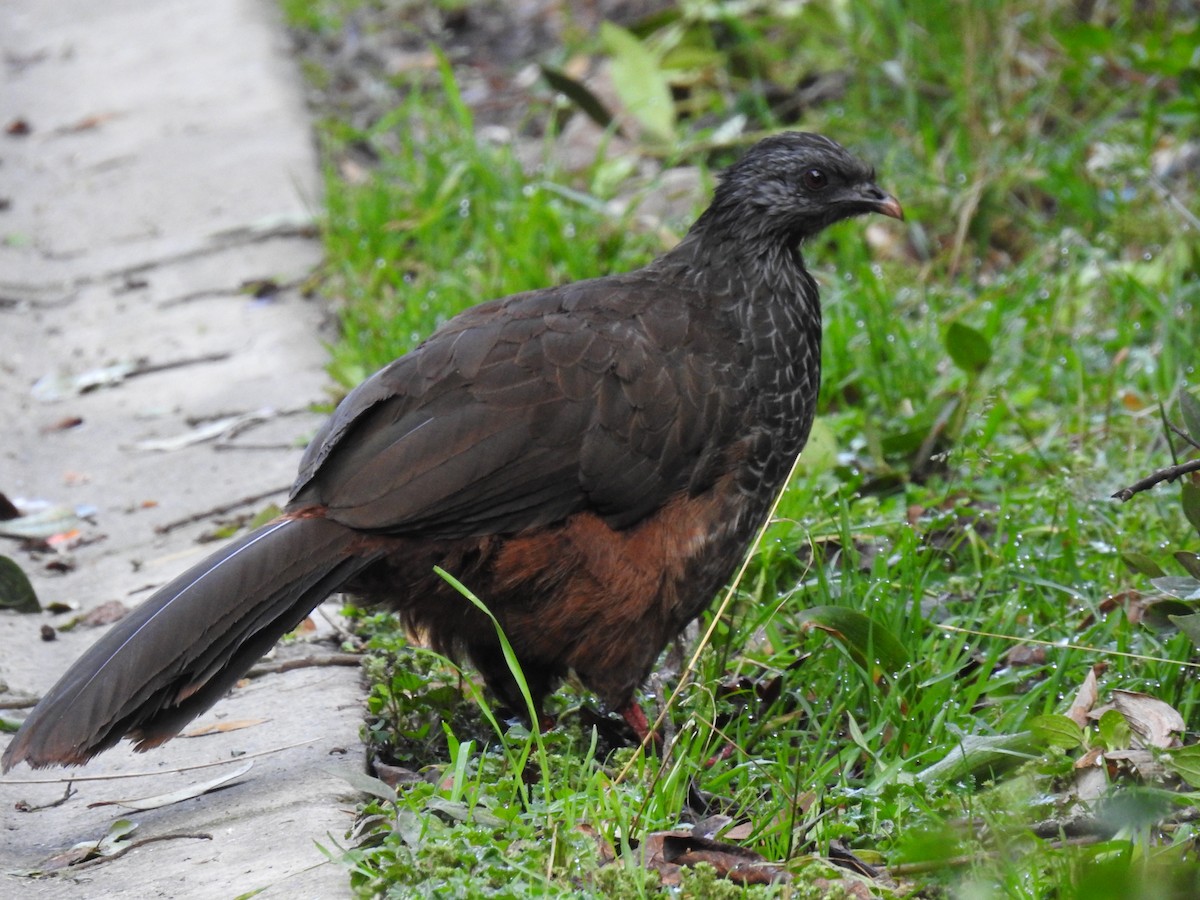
(1183, 434)
(216, 244)
(240, 290)
(335, 622)
(108, 857)
(70, 792)
(22, 703)
(1170, 473)
(304, 662)
(218, 510)
(151, 368)
(117, 776)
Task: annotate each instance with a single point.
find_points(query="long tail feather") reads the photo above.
(180, 651)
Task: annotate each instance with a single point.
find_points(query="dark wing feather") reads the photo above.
(520, 413)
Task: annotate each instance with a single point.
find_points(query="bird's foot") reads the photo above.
(635, 718)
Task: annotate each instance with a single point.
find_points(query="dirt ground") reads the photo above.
(155, 158)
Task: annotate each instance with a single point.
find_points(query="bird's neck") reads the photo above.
(763, 289)
(763, 284)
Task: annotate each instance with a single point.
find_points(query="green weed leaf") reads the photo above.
(1189, 407)
(1189, 561)
(1185, 762)
(1141, 564)
(1114, 730)
(968, 347)
(872, 646)
(640, 83)
(453, 96)
(16, 593)
(1058, 731)
(1157, 614)
(364, 783)
(577, 92)
(1189, 625)
(1190, 497)
(981, 754)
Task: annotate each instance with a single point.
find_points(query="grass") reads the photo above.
(992, 374)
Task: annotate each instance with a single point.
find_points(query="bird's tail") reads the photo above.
(176, 654)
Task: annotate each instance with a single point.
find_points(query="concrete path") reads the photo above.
(154, 157)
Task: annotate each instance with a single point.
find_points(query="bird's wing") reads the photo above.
(518, 413)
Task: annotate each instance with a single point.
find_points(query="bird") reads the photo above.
(591, 459)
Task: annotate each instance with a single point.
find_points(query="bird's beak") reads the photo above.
(884, 203)
(867, 197)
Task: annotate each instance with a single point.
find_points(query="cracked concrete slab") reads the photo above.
(167, 161)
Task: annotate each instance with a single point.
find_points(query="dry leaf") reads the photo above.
(63, 424)
(1091, 759)
(1142, 761)
(187, 793)
(395, 775)
(668, 851)
(1026, 655)
(1091, 783)
(104, 614)
(1155, 722)
(1085, 699)
(604, 849)
(223, 727)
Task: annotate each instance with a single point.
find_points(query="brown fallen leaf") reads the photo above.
(222, 727)
(1085, 699)
(104, 614)
(87, 123)
(669, 851)
(1026, 655)
(605, 853)
(393, 776)
(63, 424)
(1094, 757)
(1142, 761)
(1091, 784)
(1155, 722)
(7, 510)
(1132, 602)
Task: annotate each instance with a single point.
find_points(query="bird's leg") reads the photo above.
(635, 718)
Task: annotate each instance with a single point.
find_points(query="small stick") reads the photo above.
(70, 792)
(1170, 473)
(119, 776)
(304, 662)
(151, 368)
(20, 703)
(96, 860)
(218, 510)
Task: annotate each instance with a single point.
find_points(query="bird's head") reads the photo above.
(792, 185)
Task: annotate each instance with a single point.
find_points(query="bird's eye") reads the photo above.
(815, 179)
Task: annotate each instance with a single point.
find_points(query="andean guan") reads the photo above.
(592, 460)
